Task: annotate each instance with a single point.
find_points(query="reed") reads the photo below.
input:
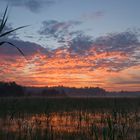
(33, 120)
(3, 23)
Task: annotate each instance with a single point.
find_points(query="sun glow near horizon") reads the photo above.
(73, 43)
(70, 71)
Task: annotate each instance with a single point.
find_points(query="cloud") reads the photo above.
(132, 77)
(84, 62)
(125, 81)
(126, 42)
(29, 48)
(80, 44)
(115, 52)
(32, 5)
(56, 29)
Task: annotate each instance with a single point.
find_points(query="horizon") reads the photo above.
(73, 43)
(69, 87)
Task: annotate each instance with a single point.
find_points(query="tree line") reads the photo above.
(11, 89)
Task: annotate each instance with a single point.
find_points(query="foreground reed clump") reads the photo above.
(4, 33)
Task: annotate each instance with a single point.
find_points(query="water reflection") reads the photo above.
(76, 122)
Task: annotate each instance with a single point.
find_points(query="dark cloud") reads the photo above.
(29, 48)
(125, 42)
(118, 51)
(32, 5)
(114, 52)
(80, 44)
(56, 29)
(115, 64)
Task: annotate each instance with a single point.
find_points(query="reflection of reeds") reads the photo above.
(118, 124)
(114, 129)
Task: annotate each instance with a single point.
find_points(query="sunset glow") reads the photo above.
(68, 51)
(65, 69)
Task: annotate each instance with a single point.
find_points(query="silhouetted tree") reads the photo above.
(10, 89)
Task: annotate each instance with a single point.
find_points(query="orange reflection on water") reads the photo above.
(58, 122)
(66, 122)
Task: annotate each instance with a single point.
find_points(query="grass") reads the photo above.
(68, 104)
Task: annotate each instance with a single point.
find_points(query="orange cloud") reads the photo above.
(64, 68)
(111, 62)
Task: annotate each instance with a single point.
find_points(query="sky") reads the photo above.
(74, 43)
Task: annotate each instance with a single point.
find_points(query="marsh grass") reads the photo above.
(69, 119)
